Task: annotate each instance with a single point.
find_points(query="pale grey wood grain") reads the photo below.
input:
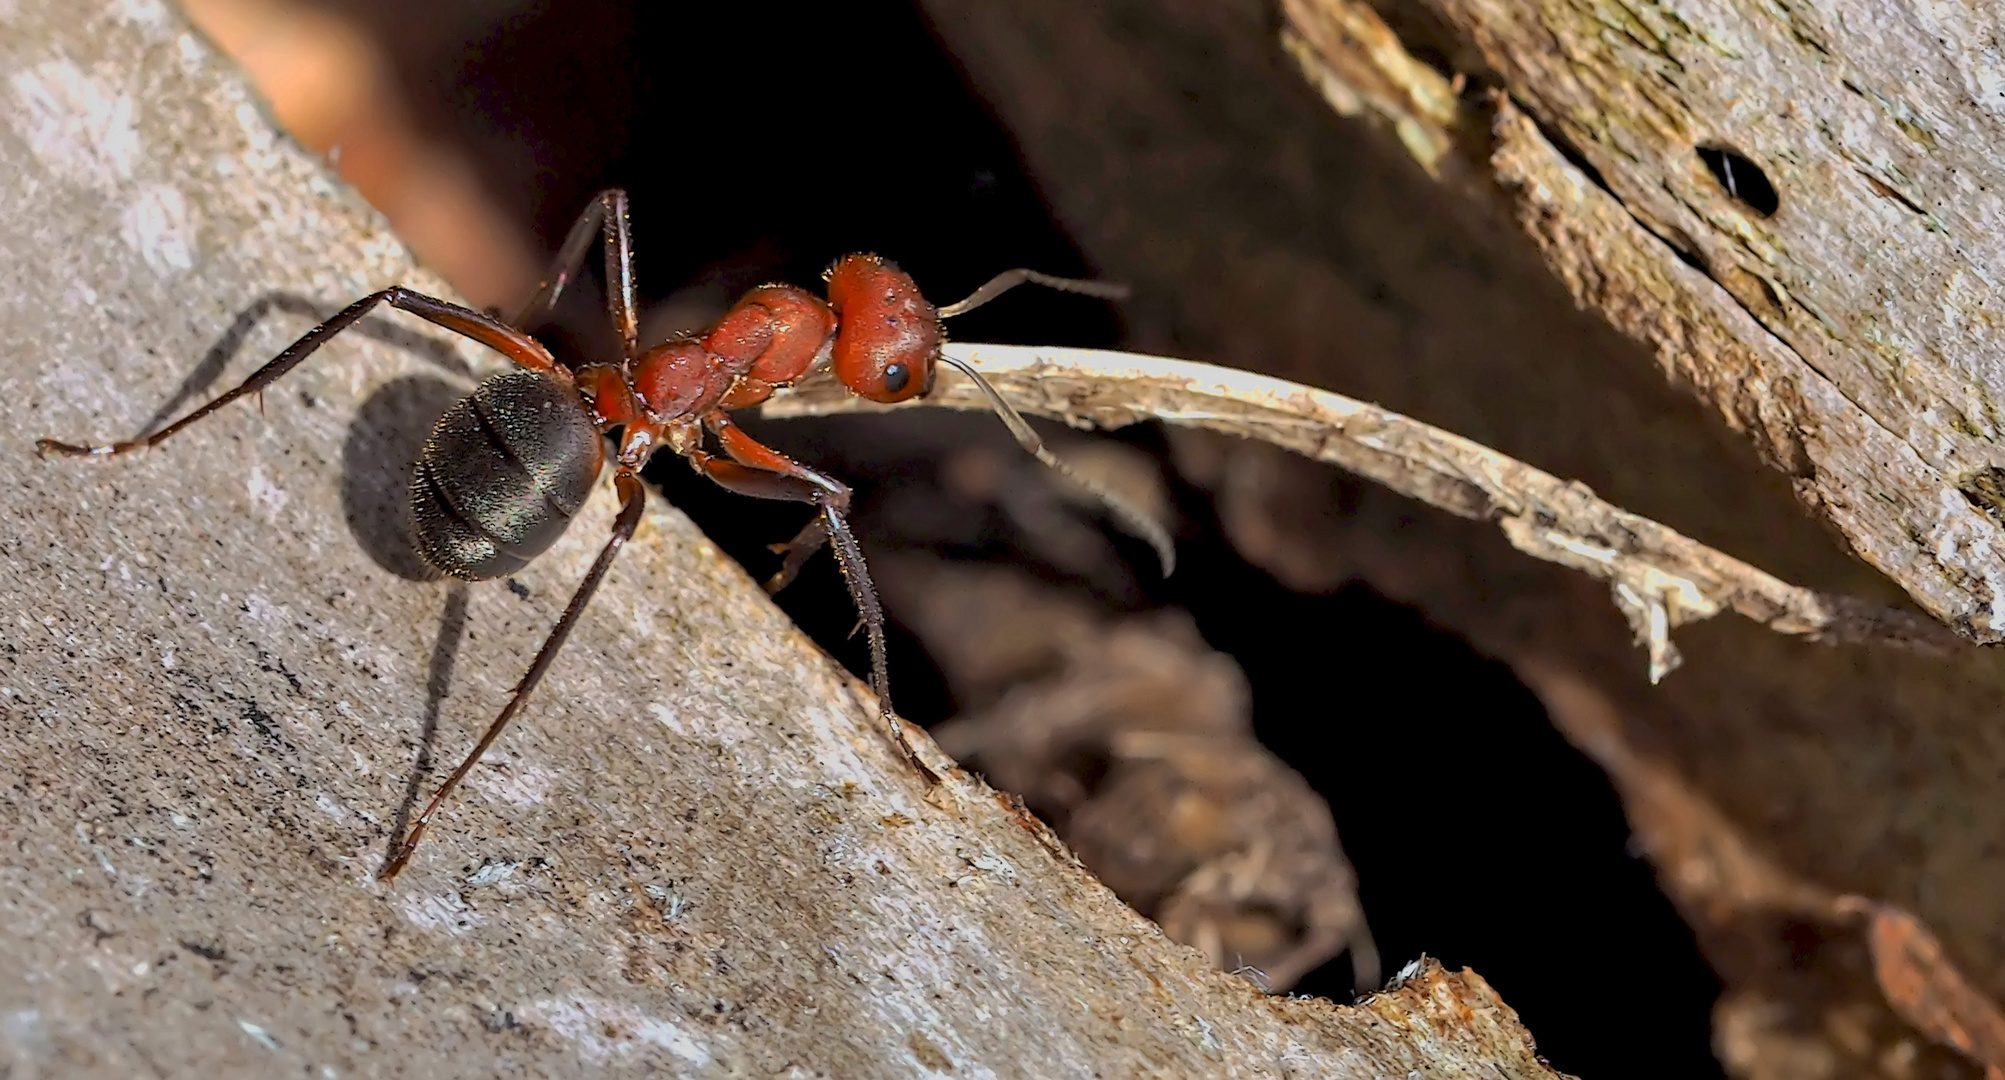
(1873, 287)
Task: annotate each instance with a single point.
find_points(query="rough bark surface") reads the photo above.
(1181, 144)
(1849, 351)
(1865, 357)
(221, 678)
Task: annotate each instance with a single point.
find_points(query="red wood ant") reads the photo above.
(510, 464)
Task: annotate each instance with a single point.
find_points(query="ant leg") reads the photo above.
(605, 215)
(496, 335)
(633, 498)
(764, 473)
(763, 484)
(834, 530)
(796, 552)
(1010, 279)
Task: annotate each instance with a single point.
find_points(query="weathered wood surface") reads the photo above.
(220, 680)
(1852, 333)
(1847, 330)
(1181, 144)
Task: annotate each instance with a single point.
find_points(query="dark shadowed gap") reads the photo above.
(1480, 837)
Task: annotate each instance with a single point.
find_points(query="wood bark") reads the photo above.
(1521, 252)
(1844, 330)
(224, 681)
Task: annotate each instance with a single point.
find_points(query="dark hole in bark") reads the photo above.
(1985, 488)
(1742, 179)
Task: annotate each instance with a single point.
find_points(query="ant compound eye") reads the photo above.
(896, 376)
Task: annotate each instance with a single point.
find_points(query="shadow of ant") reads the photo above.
(390, 428)
(378, 460)
(445, 650)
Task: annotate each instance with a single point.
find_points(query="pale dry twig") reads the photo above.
(1660, 579)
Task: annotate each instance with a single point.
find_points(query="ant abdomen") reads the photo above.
(504, 472)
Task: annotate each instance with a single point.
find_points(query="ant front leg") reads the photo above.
(633, 498)
(761, 472)
(487, 330)
(606, 216)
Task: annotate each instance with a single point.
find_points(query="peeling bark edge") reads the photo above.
(1845, 467)
(1925, 529)
(1658, 578)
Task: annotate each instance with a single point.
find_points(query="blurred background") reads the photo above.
(1281, 753)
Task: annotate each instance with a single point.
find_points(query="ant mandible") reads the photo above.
(510, 464)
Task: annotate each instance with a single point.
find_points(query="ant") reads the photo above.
(510, 464)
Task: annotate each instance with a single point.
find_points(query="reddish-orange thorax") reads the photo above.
(876, 330)
(680, 379)
(774, 334)
(605, 390)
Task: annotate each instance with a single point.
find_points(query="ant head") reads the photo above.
(889, 337)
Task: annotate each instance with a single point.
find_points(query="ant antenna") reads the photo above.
(1010, 279)
(1136, 522)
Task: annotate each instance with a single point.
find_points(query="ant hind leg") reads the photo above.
(510, 342)
(633, 499)
(796, 552)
